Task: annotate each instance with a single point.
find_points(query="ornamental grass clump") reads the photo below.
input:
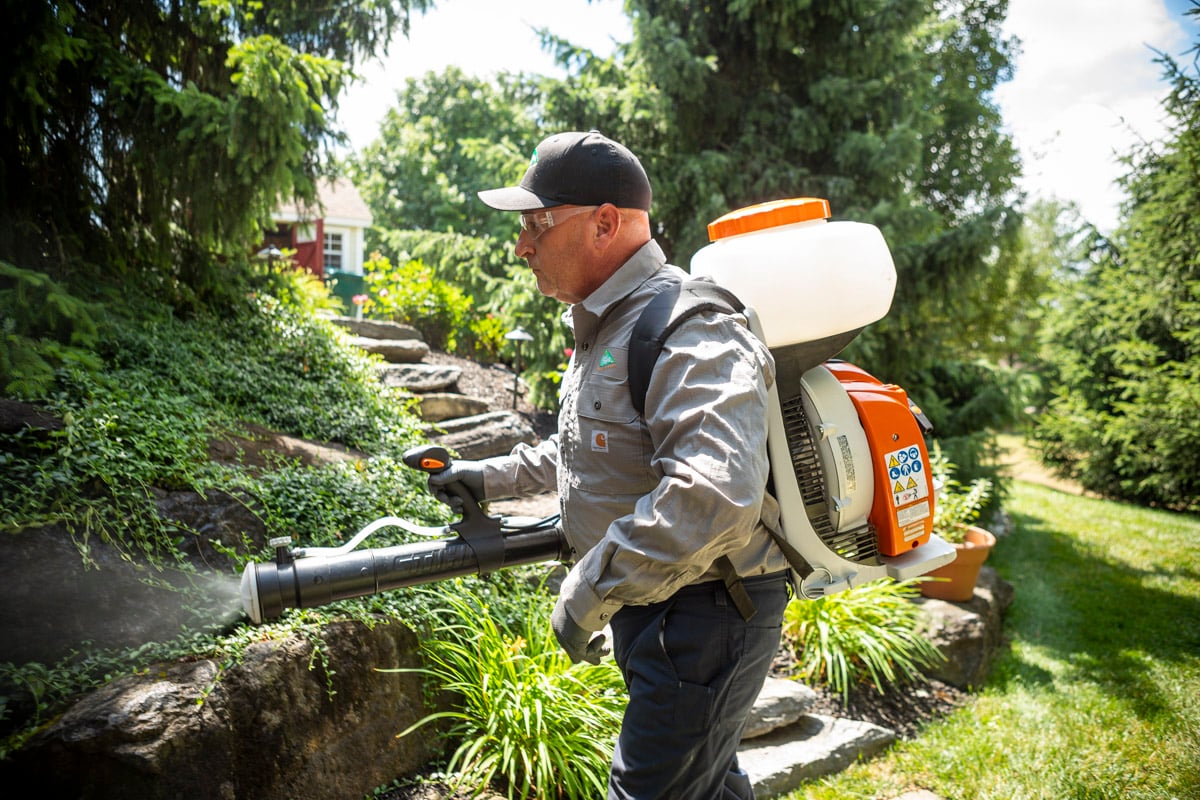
(869, 633)
(525, 717)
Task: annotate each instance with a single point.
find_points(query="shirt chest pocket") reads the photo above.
(614, 447)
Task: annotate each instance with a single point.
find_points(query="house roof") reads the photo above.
(339, 204)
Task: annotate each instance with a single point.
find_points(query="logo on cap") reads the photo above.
(533, 159)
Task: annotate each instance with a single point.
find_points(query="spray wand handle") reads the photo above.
(434, 459)
(480, 531)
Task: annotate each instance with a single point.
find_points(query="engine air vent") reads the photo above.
(859, 544)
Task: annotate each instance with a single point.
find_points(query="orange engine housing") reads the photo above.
(902, 509)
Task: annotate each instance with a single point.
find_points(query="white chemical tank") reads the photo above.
(806, 278)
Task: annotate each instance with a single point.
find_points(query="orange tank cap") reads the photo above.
(768, 215)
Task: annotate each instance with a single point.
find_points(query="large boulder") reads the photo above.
(283, 723)
(16, 416)
(815, 745)
(780, 703)
(968, 634)
(439, 406)
(418, 378)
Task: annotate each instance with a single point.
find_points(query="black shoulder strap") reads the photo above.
(665, 312)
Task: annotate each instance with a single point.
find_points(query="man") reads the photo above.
(665, 514)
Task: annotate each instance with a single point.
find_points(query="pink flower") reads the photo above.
(568, 352)
(358, 299)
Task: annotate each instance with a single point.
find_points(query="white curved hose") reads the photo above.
(382, 522)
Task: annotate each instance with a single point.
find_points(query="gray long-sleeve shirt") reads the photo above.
(649, 504)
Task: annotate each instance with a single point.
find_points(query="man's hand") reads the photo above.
(468, 473)
(580, 645)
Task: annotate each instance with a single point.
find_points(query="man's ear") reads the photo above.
(608, 224)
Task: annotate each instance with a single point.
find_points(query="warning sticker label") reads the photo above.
(848, 461)
(913, 513)
(906, 474)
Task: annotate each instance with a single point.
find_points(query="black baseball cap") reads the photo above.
(579, 169)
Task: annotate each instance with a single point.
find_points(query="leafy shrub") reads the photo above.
(957, 506)
(95, 475)
(411, 293)
(265, 361)
(870, 632)
(295, 287)
(42, 327)
(325, 506)
(487, 338)
(525, 714)
(167, 387)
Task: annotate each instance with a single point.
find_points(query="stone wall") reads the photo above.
(280, 725)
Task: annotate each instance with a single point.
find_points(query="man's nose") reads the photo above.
(524, 246)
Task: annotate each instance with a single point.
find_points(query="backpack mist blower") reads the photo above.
(849, 465)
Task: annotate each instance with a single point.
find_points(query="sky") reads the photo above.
(1085, 86)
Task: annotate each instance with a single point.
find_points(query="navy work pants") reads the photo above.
(694, 668)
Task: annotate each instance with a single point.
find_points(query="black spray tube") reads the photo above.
(482, 546)
(269, 588)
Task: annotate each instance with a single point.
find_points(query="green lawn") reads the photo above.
(1098, 695)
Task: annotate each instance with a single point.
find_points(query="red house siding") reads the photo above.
(310, 255)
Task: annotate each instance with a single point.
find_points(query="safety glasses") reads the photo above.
(538, 222)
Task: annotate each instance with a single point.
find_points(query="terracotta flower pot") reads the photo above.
(956, 581)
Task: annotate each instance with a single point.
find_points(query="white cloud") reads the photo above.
(1085, 91)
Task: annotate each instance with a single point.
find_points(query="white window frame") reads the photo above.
(334, 248)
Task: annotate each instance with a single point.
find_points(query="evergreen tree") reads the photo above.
(1127, 347)
(153, 139)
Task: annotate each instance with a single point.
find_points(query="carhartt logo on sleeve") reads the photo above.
(607, 359)
(600, 441)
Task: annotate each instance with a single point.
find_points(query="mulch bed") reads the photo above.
(904, 708)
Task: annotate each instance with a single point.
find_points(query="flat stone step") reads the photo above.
(814, 746)
(440, 406)
(483, 436)
(420, 378)
(395, 351)
(780, 703)
(376, 329)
